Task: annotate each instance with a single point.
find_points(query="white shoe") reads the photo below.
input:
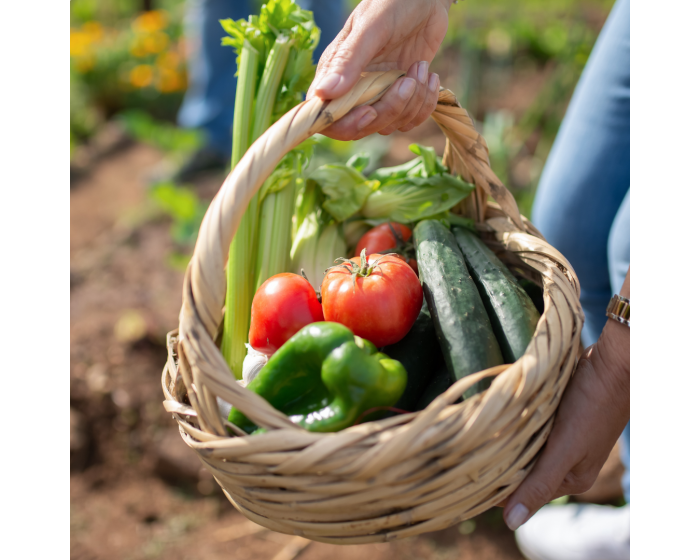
(576, 532)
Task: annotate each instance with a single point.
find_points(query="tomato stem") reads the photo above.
(364, 269)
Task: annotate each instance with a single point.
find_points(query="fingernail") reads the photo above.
(422, 71)
(434, 82)
(516, 516)
(369, 116)
(407, 87)
(328, 83)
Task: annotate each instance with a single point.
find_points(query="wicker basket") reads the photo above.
(397, 477)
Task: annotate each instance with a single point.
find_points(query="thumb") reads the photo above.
(344, 60)
(538, 488)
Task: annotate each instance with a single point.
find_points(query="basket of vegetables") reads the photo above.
(357, 399)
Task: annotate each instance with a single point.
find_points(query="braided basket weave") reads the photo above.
(397, 477)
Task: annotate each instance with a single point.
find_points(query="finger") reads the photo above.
(354, 125)
(539, 487)
(342, 68)
(327, 56)
(428, 106)
(419, 72)
(351, 124)
(390, 106)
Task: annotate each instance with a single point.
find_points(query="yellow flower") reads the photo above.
(79, 43)
(156, 42)
(168, 59)
(93, 30)
(149, 22)
(82, 40)
(141, 76)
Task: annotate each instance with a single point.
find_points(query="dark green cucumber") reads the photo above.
(419, 352)
(440, 382)
(460, 318)
(511, 311)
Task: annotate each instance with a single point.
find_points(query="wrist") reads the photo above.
(612, 356)
(603, 374)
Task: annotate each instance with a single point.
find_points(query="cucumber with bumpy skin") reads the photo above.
(461, 322)
(511, 311)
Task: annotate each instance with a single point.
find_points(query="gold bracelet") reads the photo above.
(619, 309)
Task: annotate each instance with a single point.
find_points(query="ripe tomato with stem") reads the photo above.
(376, 297)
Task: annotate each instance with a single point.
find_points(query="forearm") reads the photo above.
(612, 351)
(614, 342)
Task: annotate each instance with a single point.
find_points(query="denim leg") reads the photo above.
(588, 171)
(619, 246)
(211, 92)
(330, 17)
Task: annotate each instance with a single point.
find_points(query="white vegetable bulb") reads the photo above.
(252, 364)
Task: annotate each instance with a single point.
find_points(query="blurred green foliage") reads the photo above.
(183, 206)
(186, 210)
(165, 136)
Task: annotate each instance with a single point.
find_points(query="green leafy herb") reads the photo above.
(346, 189)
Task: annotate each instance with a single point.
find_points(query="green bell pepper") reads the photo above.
(324, 377)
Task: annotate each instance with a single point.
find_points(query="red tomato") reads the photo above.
(281, 307)
(381, 238)
(379, 301)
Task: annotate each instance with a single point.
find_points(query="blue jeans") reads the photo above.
(211, 92)
(583, 200)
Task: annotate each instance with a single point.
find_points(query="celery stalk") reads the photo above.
(245, 99)
(269, 84)
(275, 232)
(239, 281)
(275, 224)
(241, 267)
(274, 68)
